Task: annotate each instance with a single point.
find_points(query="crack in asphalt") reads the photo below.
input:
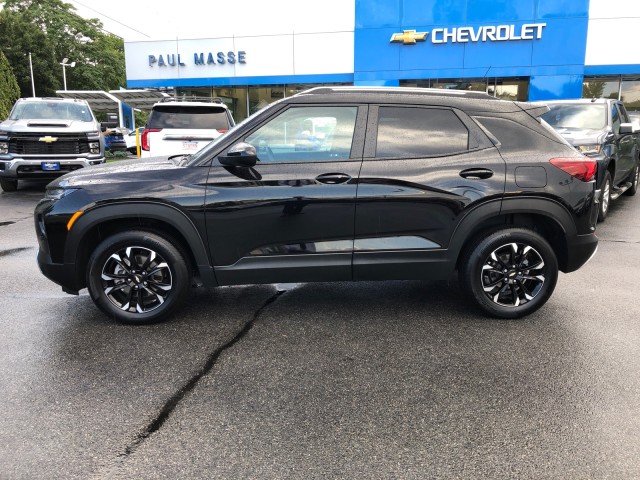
(11, 251)
(618, 241)
(4, 224)
(171, 404)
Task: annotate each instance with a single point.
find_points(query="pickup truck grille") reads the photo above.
(63, 145)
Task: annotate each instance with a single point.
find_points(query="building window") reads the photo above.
(630, 94)
(601, 87)
(516, 88)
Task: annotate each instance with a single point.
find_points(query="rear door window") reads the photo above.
(189, 117)
(414, 132)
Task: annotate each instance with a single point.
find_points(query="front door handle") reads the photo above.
(476, 173)
(333, 178)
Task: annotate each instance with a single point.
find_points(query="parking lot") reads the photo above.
(347, 380)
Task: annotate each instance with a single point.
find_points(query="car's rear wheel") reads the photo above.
(605, 198)
(138, 277)
(8, 185)
(509, 273)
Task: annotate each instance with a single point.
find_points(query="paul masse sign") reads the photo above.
(489, 33)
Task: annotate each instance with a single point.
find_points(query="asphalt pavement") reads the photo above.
(403, 380)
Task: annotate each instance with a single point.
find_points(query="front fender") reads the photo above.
(164, 213)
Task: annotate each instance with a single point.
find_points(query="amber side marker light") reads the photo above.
(73, 219)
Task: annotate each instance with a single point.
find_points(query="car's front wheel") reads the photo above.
(8, 185)
(510, 273)
(138, 277)
(634, 178)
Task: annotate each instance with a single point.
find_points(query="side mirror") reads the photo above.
(626, 128)
(240, 155)
(102, 128)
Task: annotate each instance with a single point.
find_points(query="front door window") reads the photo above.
(302, 134)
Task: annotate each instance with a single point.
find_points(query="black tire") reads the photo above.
(507, 281)
(8, 184)
(605, 197)
(634, 179)
(138, 277)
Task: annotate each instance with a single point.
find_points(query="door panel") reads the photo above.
(286, 221)
(415, 203)
(626, 146)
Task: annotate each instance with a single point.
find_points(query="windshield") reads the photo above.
(51, 111)
(579, 116)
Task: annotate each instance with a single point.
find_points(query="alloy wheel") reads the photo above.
(606, 197)
(136, 279)
(513, 274)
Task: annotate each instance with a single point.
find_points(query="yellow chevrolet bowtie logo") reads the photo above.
(48, 139)
(409, 37)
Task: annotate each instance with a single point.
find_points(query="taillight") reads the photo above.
(223, 131)
(144, 141)
(581, 168)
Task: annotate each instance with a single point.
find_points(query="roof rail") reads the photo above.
(191, 98)
(397, 90)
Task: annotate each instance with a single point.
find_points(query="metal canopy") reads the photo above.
(101, 101)
(98, 100)
(141, 99)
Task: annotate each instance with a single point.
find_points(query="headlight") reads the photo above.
(94, 147)
(58, 193)
(4, 148)
(589, 148)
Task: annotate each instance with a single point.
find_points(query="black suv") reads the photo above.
(328, 185)
(601, 129)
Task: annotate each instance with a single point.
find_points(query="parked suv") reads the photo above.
(601, 129)
(178, 127)
(44, 138)
(389, 183)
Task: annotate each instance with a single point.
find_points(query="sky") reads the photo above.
(165, 20)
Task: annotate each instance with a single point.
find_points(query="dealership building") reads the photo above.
(515, 49)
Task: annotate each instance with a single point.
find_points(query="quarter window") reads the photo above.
(306, 134)
(412, 132)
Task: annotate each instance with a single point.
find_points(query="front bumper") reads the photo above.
(60, 273)
(33, 167)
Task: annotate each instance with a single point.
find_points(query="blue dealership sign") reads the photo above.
(421, 39)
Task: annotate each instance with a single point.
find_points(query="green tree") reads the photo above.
(9, 90)
(99, 56)
(593, 89)
(18, 37)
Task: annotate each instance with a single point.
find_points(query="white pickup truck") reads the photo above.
(44, 138)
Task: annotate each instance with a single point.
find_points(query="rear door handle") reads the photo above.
(333, 178)
(476, 173)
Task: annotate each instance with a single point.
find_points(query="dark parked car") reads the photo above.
(398, 184)
(114, 140)
(601, 129)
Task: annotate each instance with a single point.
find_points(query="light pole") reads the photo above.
(33, 86)
(64, 71)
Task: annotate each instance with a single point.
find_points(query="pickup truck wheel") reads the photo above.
(634, 178)
(605, 198)
(510, 273)
(8, 185)
(138, 277)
